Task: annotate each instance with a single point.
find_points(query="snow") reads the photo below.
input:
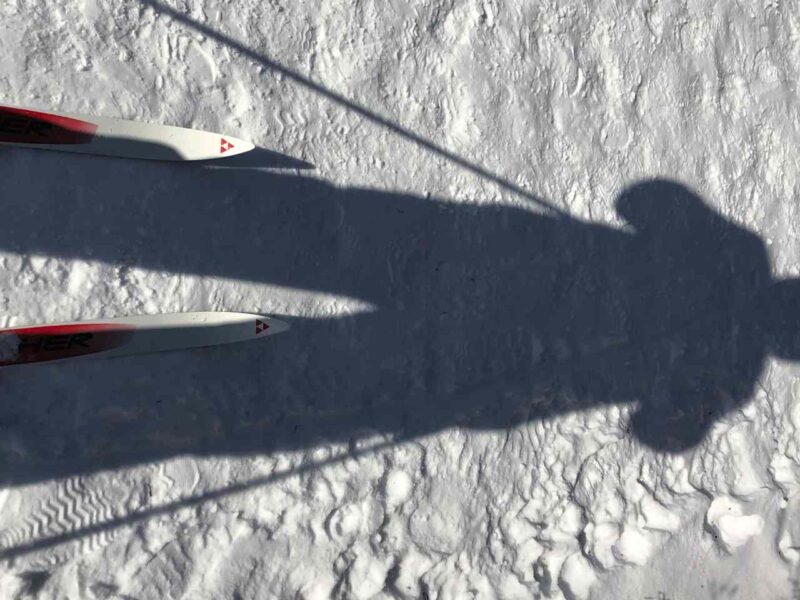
(399, 487)
(576, 577)
(633, 547)
(729, 526)
(542, 285)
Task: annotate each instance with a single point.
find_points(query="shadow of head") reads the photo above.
(665, 208)
(709, 314)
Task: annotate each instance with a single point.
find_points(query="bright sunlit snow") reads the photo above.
(543, 285)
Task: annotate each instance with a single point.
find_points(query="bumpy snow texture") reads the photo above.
(543, 288)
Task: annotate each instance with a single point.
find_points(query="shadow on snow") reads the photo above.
(487, 316)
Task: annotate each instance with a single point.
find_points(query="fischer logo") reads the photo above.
(261, 327)
(224, 146)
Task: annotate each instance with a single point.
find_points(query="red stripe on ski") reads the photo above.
(56, 342)
(21, 126)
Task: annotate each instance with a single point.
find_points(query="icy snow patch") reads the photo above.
(600, 541)
(398, 488)
(789, 533)
(633, 547)
(367, 573)
(657, 517)
(577, 577)
(729, 526)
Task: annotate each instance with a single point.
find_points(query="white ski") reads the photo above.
(131, 335)
(112, 137)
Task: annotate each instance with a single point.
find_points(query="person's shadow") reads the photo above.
(485, 317)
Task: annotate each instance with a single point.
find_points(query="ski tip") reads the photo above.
(231, 146)
(269, 325)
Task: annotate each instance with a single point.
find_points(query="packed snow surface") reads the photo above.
(542, 282)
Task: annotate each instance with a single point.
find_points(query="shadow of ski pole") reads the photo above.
(165, 509)
(341, 100)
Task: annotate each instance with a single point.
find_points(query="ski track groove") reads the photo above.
(71, 506)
